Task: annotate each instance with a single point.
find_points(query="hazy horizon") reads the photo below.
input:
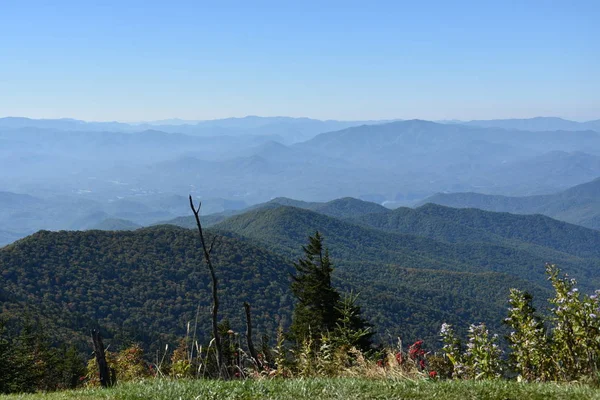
(242, 116)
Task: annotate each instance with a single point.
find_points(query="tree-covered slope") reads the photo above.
(412, 279)
(474, 225)
(346, 207)
(146, 285)
(283, 229)
(578, 205)
(414, 269)
(143, 285)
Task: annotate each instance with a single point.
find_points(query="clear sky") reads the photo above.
(148, 60)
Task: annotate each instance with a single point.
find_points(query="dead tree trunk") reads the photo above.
(106, 379)
(215, 309)
(251, 348)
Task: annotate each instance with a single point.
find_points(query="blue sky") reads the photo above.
(146, 60)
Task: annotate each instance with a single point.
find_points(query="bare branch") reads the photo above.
(215, 308)
(210, 248)
(251, 348)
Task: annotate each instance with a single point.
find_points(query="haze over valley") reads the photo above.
(69, 174)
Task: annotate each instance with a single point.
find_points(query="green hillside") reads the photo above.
(283, 230)
(474, 225)
(346, 207)
(578, 205)
(414, 269)
(143, 285)
(146, 285)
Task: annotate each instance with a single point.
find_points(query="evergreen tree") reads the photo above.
(352, 329)
(6, 367)
(316, 311)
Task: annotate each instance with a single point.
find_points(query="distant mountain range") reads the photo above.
(300, 127)
(22, 215)
(423, 155)
(287, 128)
(98, 175)
(578, 205)
(537, 124)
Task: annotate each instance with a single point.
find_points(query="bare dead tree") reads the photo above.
(215, 309)
(251, 348)
(107, 377)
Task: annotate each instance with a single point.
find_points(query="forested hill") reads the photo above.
(474, 225)
(139, 286)
(146, 285)
(578, 205)
(414, 269)
(283, 229)
(346, 207)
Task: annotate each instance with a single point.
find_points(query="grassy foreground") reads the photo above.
(313, 389)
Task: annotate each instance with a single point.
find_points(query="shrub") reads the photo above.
(531, 353)
(575, 336)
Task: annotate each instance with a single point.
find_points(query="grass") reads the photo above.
(319, 388)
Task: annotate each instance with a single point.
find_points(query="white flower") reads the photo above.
(445, 328)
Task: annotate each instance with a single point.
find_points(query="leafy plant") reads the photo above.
(576, 329)
(531, 353)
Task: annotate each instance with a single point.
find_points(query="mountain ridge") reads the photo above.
(579, 204)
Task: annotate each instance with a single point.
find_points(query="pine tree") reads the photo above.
(352, 329)
(316, 311)
(6, 367)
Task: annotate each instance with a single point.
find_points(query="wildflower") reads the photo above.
(432, 374)
(593, 316)
(445, 328)
(399, 357)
